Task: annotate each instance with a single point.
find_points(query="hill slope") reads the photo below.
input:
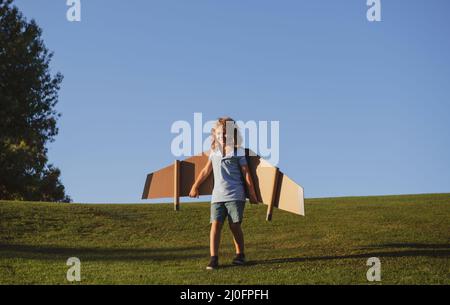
(152, 244)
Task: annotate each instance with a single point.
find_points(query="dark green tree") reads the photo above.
(28, 96)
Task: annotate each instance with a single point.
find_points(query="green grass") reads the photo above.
(152, 244)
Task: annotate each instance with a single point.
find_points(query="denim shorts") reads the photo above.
(233, 209)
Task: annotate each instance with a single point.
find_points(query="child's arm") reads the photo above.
(250, 186)
(201, 177)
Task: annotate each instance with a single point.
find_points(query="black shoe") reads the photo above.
(239, 259)
(213, 263)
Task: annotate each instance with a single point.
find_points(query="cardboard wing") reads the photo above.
(273, 187)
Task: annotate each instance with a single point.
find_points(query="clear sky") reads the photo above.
(363, 107)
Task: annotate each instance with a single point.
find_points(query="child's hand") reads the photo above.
(194, 192)
(253, 199)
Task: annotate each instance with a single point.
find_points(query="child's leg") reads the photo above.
(214, 237)
(235, 217)
(238, 237)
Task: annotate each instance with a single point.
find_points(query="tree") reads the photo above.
(28, 96)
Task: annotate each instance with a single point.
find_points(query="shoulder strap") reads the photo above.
(235, 138)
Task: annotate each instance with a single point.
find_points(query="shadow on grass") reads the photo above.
(431, 250)
(9, 251)
(411, 245)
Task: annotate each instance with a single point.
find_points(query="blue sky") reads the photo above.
(363, 107)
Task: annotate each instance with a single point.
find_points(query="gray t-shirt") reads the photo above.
(228, 181)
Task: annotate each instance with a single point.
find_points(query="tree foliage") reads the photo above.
(28, 96)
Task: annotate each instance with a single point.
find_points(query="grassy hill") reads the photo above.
(152, 244)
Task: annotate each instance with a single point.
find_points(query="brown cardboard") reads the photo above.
(176, 183)
(273, 187)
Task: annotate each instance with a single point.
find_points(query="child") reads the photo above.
(228, 163)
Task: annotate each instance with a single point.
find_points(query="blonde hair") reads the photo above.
(222, 123)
